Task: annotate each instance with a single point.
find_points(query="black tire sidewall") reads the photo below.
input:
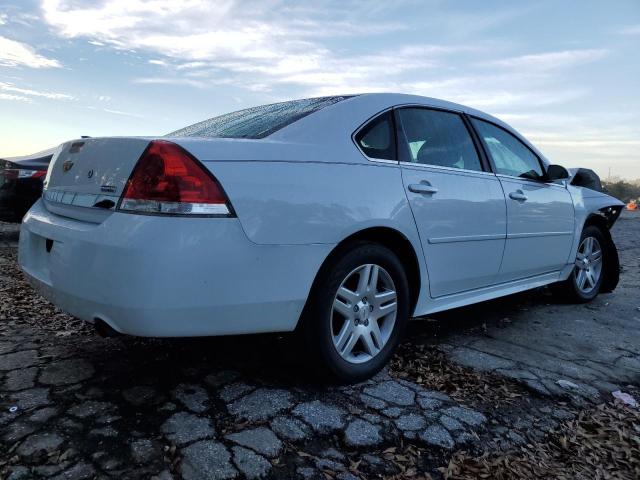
(317, 322)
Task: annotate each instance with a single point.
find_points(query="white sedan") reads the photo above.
(338, 217)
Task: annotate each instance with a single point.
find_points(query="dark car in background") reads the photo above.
(21, 181)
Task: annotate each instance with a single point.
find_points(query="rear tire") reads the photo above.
(357, 313)
(584, 283)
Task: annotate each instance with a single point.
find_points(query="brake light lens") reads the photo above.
(16, 173)
(168, 180)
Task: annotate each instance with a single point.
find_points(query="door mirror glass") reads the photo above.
(556, 172)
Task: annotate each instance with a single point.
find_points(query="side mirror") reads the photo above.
(556, 172)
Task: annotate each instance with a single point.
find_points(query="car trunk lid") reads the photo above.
(86, 177)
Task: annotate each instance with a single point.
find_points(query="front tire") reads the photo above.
(584, 283)
(357, 312)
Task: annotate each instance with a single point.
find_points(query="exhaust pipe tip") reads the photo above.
(104, 329)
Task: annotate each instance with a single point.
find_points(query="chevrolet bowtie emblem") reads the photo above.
(66, 166)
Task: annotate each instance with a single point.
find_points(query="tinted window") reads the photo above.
(256, 122)
(377, 139)
(438, 138)
(510, 156)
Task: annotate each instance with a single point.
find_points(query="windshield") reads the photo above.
(256, 122)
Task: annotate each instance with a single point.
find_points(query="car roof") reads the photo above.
(335, 121)
(42, 156)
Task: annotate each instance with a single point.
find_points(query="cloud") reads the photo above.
(170, 81)
(26, 92)
(120, 112)
(276, 41)
(551, 60)
(19, 98)
(630, 30)
(14, 54)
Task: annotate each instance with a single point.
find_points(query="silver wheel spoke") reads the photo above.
(387, 309)
(595, 257)
(346, 294)
(376, 334)
(581, 278)
(363, 281)
(346, 338)
(372, 285)
(342, 308)
(369, 345)
(384, 297)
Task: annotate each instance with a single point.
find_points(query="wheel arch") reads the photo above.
(612, 261)
(395, 241)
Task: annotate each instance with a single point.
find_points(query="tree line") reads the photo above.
(624, 190)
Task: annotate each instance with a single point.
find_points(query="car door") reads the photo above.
(540, 214)
(458, 206)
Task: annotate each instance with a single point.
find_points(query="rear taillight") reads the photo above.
(15, 173)
(168, 180)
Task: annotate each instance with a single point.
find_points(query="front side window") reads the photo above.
(510, 156)
(256, 122)
(377, 139)
(435, 137)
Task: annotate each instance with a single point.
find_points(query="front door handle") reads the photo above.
(425, 188)
(518, 195)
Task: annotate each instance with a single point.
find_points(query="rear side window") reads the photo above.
(377, 139)
(510, 156)
(256, 122)
(438, 138)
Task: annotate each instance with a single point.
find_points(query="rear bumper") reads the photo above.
(167, 276)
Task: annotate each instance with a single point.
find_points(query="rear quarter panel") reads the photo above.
(305, 203)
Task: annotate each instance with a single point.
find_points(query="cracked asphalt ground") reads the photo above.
(491, 377)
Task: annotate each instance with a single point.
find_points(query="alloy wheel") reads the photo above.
(364, 313)
(588, 265)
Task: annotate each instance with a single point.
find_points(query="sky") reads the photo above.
(566, 73)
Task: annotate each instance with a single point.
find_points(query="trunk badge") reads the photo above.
(66, 166)
(75, 147)
(108, 188)
(90, 174)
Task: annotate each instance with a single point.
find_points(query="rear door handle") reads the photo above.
(425, 188)
(518, 195)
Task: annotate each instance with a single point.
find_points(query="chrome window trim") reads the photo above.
(447, 169)
(382, 160)
(530, 180)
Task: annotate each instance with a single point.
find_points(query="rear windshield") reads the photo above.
(256, 122)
